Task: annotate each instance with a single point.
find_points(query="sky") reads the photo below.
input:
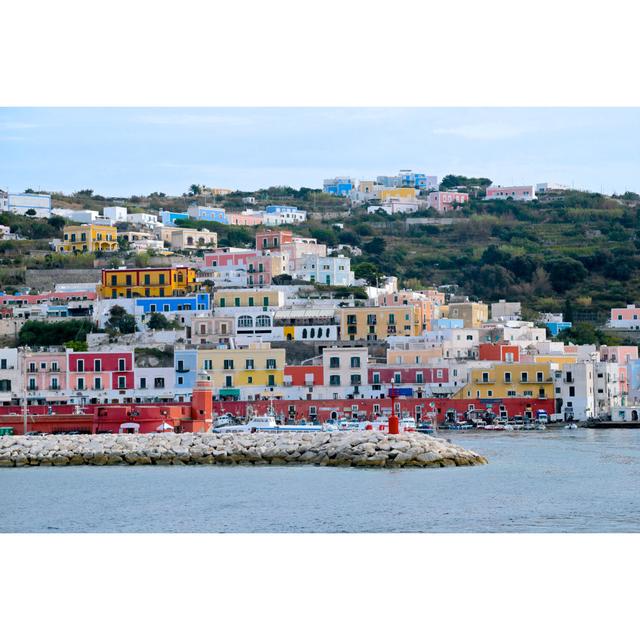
(136, 151)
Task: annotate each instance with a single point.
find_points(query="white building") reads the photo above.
(83, 216)
(574, 390)
(115, 214)
(275, 215)
(144, 219)
(20, 203)
(544, 187)
(332, 270)
(394, 205)
(503, 310)
(11, 378)
(154, 384)
(345, 371)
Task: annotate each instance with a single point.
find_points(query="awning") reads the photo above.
(230, 393)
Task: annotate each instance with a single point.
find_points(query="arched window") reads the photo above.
(304, 334)
(320, 333)
(263, 321)
(312, 333)
(245, 322)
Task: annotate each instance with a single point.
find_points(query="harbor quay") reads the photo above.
(355, 449)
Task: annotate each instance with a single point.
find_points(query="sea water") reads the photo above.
(553, 481)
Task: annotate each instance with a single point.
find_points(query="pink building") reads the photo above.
(261, 266)
(625, 317)
(527, 192)
(622, 356)
(100, 373)
(443, 201)
(49, 297)
(426, 308)
(245, 219)
(46, 376)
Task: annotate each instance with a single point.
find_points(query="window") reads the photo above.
(54, 383)
(3, 363)
(539, 376)
(271, 382)
(334, 381)
(32, 384)
(97, 365)
(128, 281)
(165, 307)
(80, 384)
(54, 366)
(143, 383)
(356, 379)
(251, 301)
(228, 381)
(376, 377)
(334, 362)
(161, 278)
(97, 383)
(237, 302)
(265, 301)
(572, 391)
(158, 383)
(147, 278)
(271, 363)
(507, 377)
(245, 322)
(485, 376)
(263, 321)
(121, 364)
(207, 365)
(355, 362)
(180, 380)
(181, 365)
(122, 382)
(81, 365)
(228, 364)
(419, 377)
(524, 377)
(249, 364)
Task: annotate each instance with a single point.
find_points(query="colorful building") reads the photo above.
(341, 186)
(236, 298)
(157, 282)
(378, 323)
(443, 201)
(87, 238)
(510, 380)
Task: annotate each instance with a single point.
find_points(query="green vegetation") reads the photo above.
(120, 321)
(36, 333)
(160, 322)
(586, 333)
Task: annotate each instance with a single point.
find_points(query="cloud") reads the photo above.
(12, 126)
(195, 119)
(483, 131)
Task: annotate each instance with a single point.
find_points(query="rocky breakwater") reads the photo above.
(357, 449)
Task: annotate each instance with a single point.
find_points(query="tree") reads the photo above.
(120, 321)
(367, 271)
(30, 212)
(159, 322)
(565, 273)
(37, 333)
(376, 246)
(195, 190)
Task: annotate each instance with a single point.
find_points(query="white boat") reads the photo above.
(223, 421)
(571, 425)
(268, 423)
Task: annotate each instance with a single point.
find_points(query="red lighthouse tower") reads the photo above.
(202, 403)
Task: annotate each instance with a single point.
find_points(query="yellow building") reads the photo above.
(378, 323)
(87, 238)
(473, 314)
(248, 298)
(147, 283)
(244, 372)
(413, 355)
(509, 380)
(407, 193)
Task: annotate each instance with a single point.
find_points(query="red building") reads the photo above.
(399, 375)
(101, 371)
(499, 352)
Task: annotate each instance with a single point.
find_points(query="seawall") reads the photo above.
(358, 449)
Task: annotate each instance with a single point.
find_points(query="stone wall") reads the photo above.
(356, 448)
(46, 279)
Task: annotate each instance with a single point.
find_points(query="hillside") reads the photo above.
(568, 251)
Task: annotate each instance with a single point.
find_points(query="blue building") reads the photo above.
(408, 178)
(277, 208)
(556, 327)
(186, 364)
(194, 302)
(168, 218)
(208, 214)
(341, 186)
(447, 323)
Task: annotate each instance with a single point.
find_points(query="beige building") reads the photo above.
(473, 314)
(180, 239)
(378, 323)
